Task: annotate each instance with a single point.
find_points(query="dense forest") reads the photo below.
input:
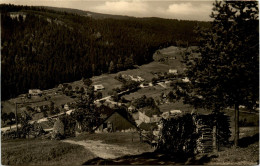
(42, 48)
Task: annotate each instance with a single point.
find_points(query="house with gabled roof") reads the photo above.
(117, 121)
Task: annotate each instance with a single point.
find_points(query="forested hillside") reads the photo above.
(42, 48)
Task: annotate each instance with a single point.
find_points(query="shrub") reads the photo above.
(178, 135)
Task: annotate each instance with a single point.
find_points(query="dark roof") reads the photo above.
(121, 112)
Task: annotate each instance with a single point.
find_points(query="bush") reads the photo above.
(144, 102)
(178, 136)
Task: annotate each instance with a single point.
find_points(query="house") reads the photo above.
(175, 112)
(131, 108)
(164, 95)
(170, 114)
(60, 86)
(136, 78)
(38, 109)
(98, 87)
(173, 71)
(35, 92)
(186, 79)
(172, 58)
(133, 78)
(149, 115)
(66, 107)
(117, 121)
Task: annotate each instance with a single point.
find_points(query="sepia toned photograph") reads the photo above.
(129, 82)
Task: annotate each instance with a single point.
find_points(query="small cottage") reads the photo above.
(66, 107)
(116, 122)
(35, 92)
(98, 87)
(185, 79)
(131, 109)
(149, 115)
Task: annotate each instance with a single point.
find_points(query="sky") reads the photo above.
(173, 9)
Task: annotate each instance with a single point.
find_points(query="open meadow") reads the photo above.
(42, 152)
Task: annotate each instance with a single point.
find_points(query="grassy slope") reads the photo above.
(238, 156)
(246, 154)
(107, 80)
(42, 152)
(117, 138)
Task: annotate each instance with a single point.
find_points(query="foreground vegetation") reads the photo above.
(246, 154)
(234, 156)
(42, 152)
(238, 156)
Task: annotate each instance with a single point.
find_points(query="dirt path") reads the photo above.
(106, 151)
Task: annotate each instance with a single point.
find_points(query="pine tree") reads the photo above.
(225, 73)
(112, 67)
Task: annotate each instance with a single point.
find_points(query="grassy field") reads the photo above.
(154, 92)
(127, 139)
(145, 70)
(42, 152)
(107, 80)
(173, 55)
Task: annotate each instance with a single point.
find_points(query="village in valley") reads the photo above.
(131, 103)
(117, 96)
(85, 88)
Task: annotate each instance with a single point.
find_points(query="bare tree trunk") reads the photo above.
(214, 131)
(236, 125)
(215, 148)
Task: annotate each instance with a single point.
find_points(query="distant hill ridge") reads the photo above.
(45, 46)
(87, 13)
